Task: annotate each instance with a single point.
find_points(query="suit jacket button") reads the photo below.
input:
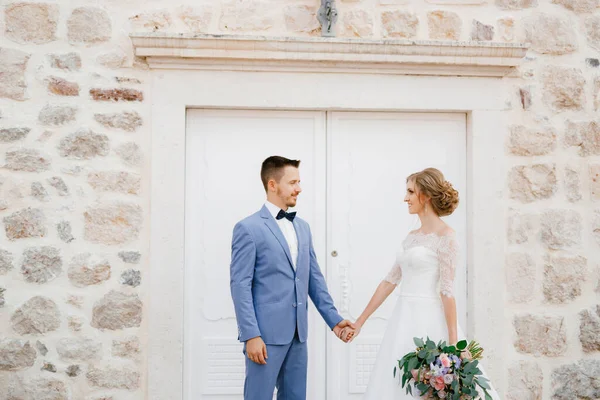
(294, 304)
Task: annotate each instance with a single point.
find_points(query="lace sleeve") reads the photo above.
(395, 274)
(448, 258)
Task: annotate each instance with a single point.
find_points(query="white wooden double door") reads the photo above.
(353, 170)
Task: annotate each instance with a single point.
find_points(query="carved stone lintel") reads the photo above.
(327, 54)
(328, 17)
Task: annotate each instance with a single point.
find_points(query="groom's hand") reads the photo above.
(256, 350)
(350, 334)
(340, 327)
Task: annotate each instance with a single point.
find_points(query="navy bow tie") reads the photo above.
(282, 214)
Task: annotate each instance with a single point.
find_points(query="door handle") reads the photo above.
(334, 253)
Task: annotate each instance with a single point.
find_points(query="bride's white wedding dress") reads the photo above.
(426, 266)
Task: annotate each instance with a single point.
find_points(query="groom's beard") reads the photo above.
(288, 201)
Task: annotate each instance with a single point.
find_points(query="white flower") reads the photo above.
(435, 370)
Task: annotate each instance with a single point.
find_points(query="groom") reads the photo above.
(273, 272)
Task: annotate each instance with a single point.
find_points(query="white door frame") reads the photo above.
(484, 99)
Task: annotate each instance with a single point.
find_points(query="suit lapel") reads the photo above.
(274, 228)
(299, 239)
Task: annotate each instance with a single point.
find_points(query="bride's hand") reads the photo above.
(349, 334)
(346, 334)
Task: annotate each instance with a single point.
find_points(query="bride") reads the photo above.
(426, 265)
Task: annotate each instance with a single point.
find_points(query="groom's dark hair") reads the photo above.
(272, 168)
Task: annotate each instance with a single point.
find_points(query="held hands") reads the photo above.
(346, 331)
(256, 350)
(349, 333)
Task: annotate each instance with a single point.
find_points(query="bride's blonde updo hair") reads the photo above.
(431, 182)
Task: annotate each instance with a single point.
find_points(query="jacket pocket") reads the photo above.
(266, 303)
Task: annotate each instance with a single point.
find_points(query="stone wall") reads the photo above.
(74, 135)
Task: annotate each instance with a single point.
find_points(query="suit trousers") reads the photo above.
(286, 369)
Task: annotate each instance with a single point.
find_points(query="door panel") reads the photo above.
(370, 155)
(224, 152)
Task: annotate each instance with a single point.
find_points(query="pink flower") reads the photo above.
(415, 374)
(441, 394)
(466, 355)
(437, 382)
(445, 360)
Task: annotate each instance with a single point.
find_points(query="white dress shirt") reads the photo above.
(288, 230)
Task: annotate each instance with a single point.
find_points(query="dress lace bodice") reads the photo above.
(427, 264)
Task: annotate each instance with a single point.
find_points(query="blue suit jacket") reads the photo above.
(270, 298)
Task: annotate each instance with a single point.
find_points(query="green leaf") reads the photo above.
(483, 383)
(430, 345)
(423, 353)
(449, 349)
(412, 364)
(422, 387)
(405, 366)
(407, 356)
(461, 345)
(430, 358)
(418, 342)
(470, 366)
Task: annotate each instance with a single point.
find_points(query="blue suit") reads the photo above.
(271, 301)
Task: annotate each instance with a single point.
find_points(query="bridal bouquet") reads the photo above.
(444, 372)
